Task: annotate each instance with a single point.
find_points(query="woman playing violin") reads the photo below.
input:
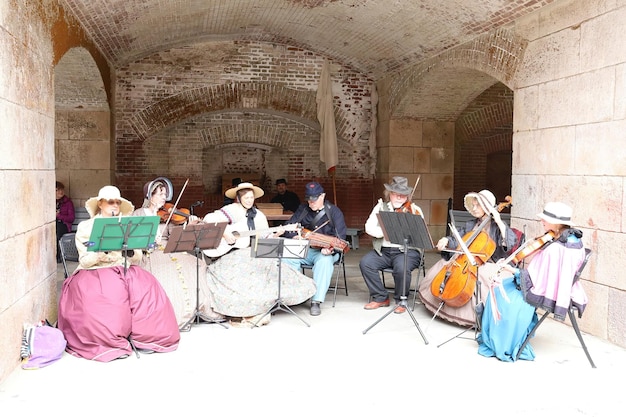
(546, 283)
(176, 272)
(386, 254)
(482, 206)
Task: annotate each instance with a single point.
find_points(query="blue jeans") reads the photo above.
(323, 267)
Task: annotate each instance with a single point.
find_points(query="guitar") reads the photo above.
(243, 234)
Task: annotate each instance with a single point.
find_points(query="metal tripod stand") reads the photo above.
(403, 298)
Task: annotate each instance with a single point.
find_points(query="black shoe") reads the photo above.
(315, 309)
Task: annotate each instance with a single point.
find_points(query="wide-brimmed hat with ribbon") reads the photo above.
(399, 185)
(232, 192)
(109, 192)
(487, 202)
(557, 213)
(485, 198)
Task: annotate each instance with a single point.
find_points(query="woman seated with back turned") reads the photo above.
(546, 283)
(244, 287)
(110, 306)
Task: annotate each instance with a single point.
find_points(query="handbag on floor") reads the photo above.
(42, 345)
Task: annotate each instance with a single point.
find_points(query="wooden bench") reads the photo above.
(80, 214)
(353, 235)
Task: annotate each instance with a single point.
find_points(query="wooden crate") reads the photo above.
(270, 209)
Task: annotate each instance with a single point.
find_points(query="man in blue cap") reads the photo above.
(324, 218)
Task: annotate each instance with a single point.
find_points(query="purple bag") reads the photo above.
(42, 345)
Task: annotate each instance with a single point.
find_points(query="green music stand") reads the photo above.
(123, 233)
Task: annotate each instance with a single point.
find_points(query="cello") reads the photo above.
(454, 285)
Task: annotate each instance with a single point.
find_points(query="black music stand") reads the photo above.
(409, 230)
(280, 248)
(123, 233)
(194, 238)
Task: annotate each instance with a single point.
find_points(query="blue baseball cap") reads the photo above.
(313, 190)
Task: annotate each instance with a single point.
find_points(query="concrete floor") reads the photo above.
(332, 368)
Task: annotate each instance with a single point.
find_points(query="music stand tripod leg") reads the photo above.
(278, 304)
(198, 317)
(403, 299)
(477, 296)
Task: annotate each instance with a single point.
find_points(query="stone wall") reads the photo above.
(27, 237)
(569, 124)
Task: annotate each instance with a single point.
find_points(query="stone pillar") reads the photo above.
(417, 149)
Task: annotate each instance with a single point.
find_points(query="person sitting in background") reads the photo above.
(289, 200)
(107, 310)
(234, 182)
(386, 254)
(547, 283)
(175, 271)
(323, 218)
(65, 215)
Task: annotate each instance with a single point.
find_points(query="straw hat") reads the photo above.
(109, 192)
(557, 213)
(232, 192)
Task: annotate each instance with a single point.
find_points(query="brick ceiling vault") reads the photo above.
(453, 79)
(375, 37)
(450, 50)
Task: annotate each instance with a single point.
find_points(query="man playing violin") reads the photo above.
(386, 254)
(324, 218)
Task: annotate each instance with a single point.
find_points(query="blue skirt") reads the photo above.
(504, 338)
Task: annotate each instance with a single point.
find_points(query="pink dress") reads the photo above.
(105, 310)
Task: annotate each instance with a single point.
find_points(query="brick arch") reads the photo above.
(497, 53)
(502, 142)
(255, 133)
(485, 120)
(277, 98)
(78, 82)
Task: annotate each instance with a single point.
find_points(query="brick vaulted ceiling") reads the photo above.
(374, 37)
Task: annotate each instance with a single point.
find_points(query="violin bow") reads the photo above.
(175, 204)
(415, 187)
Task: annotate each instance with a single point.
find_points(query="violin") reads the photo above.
(530, 248)
(179, 216)
(454, 285)
(405, 208)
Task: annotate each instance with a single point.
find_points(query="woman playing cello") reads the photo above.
(482, 206)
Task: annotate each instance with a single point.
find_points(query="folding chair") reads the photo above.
(571, 312)
(421, 268)
(67, 243)
(340, 266)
